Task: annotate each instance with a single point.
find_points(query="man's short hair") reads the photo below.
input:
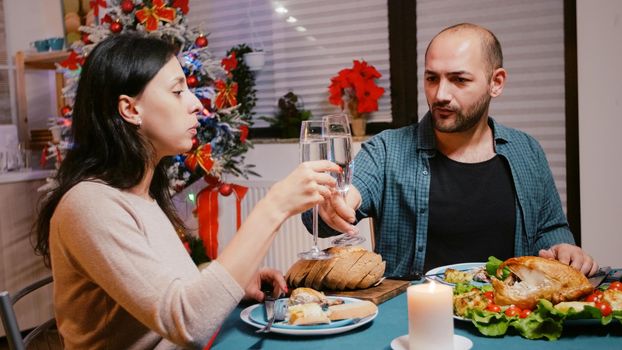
(491, 48)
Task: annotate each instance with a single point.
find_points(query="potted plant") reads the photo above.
(289, 116)
(356, 92)
(255, 59)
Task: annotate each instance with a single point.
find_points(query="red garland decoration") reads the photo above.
(207, 212)
(150, 16)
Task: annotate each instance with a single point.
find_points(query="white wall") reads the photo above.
(599, 33)
(27, 21)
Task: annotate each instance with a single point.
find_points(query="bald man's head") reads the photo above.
(491, 48)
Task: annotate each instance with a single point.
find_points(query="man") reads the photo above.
(457, 186)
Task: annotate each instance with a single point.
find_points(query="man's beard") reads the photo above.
(465, 120)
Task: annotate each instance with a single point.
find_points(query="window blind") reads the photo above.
(532, 37)
(304, 46)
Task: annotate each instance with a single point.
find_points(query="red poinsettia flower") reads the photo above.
(367, 96)
(150, 17)
(358, 86)
(229, 63)
(182, 5)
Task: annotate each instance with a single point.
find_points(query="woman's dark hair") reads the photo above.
(105, 146)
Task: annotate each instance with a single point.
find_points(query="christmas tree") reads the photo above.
(221, 141)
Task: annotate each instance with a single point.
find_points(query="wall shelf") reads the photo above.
(25, 61)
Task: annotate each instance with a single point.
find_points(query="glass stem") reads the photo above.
(315, 226)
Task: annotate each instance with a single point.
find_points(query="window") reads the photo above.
(532, 37)
(306, 43)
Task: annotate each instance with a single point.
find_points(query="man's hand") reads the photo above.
(339, 212)
(268, 276)
(571, 255)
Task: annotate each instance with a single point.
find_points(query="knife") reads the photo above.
(600, 275)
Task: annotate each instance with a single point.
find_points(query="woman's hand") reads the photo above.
(309, 184)
(267, 276)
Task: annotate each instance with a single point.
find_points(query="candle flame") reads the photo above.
(431, 286)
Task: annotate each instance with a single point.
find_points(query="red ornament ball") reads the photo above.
(201, 41)
(127, 6)
(85, 38)
(225, 189)
(116, 27)
(195, 143)
(192, 81)
(65, 111)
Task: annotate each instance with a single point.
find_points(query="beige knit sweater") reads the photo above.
(123, 280)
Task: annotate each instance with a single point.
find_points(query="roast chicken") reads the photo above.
(534, 278)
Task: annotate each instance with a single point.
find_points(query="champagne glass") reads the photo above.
(339, 138)
(313, 146)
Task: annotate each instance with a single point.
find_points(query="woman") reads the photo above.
(123, 280)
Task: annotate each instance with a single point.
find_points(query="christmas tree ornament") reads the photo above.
(192, 81)
(195, 143)
(116, 27)
(225, 189)
(65, 111)
(127, 6)
(85, 38)
(201, 41)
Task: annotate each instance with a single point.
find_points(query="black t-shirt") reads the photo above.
(472, 211)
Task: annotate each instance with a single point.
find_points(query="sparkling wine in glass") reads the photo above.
(337, 131)
(313, 146)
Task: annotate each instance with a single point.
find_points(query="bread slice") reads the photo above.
(301, 272)
(315, 269)
(342, 266)
(358, 309)
(355, 271)
(293, 270)
(306, 314)
(362, 268)
(373, 276)
(326, 267)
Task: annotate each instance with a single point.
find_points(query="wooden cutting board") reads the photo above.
(379, 294)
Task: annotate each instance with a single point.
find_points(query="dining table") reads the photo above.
(392, 322)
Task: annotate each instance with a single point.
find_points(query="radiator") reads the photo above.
(291, 239)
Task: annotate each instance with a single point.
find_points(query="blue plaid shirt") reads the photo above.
(392, 173)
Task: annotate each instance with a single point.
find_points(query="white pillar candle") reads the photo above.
(430, 317)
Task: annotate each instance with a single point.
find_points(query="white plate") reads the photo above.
(460, 343)
(459, 267)
(249, 315)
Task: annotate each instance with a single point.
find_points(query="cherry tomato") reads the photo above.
(594, 298)
(493, 308)
(524, 313)
(598, 292)
(490, 295)
(615, 286)
(512, 311)
(604, 307)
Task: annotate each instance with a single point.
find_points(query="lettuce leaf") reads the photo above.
(493, 264)
(544, 322)
(492, 324)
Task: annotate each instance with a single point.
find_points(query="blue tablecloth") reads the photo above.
(392, 322)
